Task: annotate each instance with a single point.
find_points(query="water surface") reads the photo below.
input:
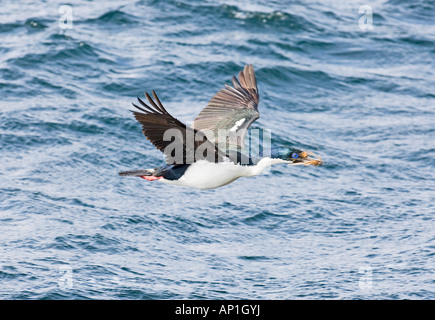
(360, 227)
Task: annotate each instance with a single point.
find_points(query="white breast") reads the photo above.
(207, 175)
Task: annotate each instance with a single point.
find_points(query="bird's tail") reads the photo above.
(137, 173)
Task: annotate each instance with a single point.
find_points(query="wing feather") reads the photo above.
(223, 115)
(155, 121)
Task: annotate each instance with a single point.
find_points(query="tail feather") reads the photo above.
(137, 173)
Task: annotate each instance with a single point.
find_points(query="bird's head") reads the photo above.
(295, 156)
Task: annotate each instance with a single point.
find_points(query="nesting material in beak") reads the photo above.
(308, 159)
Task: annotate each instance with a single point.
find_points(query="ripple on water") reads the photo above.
(362, 99)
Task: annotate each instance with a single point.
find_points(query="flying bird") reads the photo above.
(211, 153)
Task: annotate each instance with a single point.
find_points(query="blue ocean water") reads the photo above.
(359, 227)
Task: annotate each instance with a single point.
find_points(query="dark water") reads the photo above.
(360, 227)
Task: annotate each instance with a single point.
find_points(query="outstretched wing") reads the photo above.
(179, 143)
(231, 111)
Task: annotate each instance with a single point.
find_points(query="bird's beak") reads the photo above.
(307, 159)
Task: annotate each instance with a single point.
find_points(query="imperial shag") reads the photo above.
(211, 153)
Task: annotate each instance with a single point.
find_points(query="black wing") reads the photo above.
(179, 143)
